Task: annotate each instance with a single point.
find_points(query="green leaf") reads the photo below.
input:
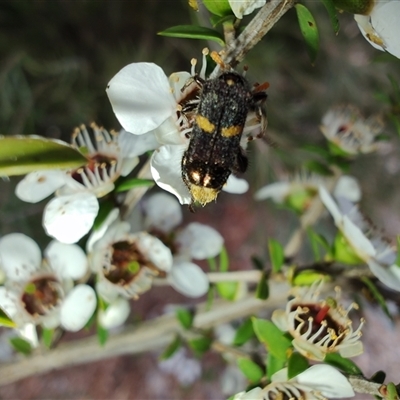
(193, 32)
(172, 348)
(377, 295)
(317, 241)
(244, 333)
(228, 290)
(363, 7)
(309, 30)
(102, 335)
(218, 7)
(391, 392)
(5, 320)
(128, 184)
(185, 317)
(250, 369)
(258, 263)
(223, 260)
(212, 263)
(105, 208)
(21, 345)
(330, 7)
(276, 254)
(274, 365)
(344, 364)
(378, 377)
(217, 20)
(200, 345)
(47, 337)
(262, 291)
(296, 365)
(20, 155)
(398, 252)
(318, 168)
(274, 339)
(308, 277)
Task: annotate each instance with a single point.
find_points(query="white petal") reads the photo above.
(253, 394)
(330, 204)
(177, 81)
(348, 187)
(245, 7)
(141, 97)
(68, 218)
(326, 379)
(8, 302)
(168, 133)
(135, 145)
(166, 171)
(280, 319)
(52, 320)
(162, 211)
(78, 307)
(276, 191)
(360, 243)
(365, 26)
(385, 21)
(36, 186)
(236, 185)
(201, 240)
(29, 333)
(98, 233)
(155, 250)
(19, 256)
(390, 276)
(67, 260)
(188, 279)
(115, 314)
(107, 290)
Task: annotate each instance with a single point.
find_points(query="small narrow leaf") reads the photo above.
(317, 241)
(344, 364)
(193, 32)
(309, 30)
(398, 252)
(223, 260)
(244, 333)
(218, 7)
(21, 345)
(47, 337)
(200, 345)
(227, 290)
(185, 317)
(391, 392)
(308, 277)
(378, 377)
(296, 365)
(262, 291)
(258, 263)
(377, 295)
(250, 369)
(5, 320)
(20, 155)
(172, 348)
(274, 365)
(330, 7)
(133, 183)
(105, 208)
(102, 335)
(276, 254)
(274, 339)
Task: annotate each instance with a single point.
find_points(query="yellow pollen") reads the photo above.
(232, 131)
(203, 195)
(204, 124)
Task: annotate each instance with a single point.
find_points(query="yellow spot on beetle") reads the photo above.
(232, 131)
(205, 124)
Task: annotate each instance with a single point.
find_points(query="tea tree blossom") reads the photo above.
(349, 131)
(149, 104)
(365, 243)
(319, 327)
(42, 292)
(381, 26)
(319, 382)
(195, 241)
(71, 213)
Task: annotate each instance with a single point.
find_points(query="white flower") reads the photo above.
(381, 27)
(347, 129)
(71, 214)
(366, 242)
(149, 104)
(319, 327)
(125, 262)
(245, 7)
(186, 370)
(116, 313)
(42, 292)
(299, 191)
(195, 241)
(319, 382)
